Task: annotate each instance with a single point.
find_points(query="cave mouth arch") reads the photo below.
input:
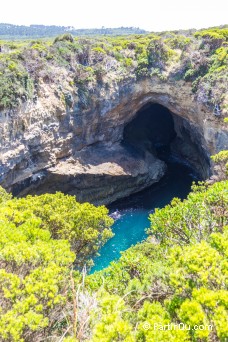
(144, 141)
(151, 129)
(159, 131)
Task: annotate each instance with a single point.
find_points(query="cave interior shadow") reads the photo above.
(151, 130)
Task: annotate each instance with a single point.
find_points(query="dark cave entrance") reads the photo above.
(155, 133)
(167, 136)
(152, 129)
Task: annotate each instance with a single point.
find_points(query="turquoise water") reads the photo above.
(132, 212)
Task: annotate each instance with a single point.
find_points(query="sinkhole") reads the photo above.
(166, 135)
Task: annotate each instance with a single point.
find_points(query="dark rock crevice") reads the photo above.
(157, 130)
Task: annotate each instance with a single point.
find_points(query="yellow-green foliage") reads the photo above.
(180, 278)
(213, 33)
(99, 50)
(4, 196)
(201, 277)
(112, 326)
(41, 239)
(200, 59)
(64, 37)
(178, 42)
(221, 156)
(154, 317)
(86, 227)
(220, 60)
(33, 271)
(39, 46)
(159, 53)
(15, 81)
(193, 219)
(221, 161)
(128, 62)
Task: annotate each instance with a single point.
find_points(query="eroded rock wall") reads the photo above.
(38, 138)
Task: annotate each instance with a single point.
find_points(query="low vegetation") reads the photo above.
(199, 58)
(177, 277)
(43, 239)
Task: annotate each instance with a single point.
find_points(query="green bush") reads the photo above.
(99, 50)
(86, 227)
(15, 84)
(41, 239)
(200, 58)
(178, 42)
(4, 196)
(64, 37)
(178, 275)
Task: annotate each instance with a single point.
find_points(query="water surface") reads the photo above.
(133, 211)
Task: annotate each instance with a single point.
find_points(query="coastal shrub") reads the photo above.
(183, 223)
(178, 42)
(166, 280)
(219, 60)
(128, 62)
(197, 57)
(212, 37)
(34, 276)
(214, 33)
(39, 46)
(142, 65)
(42, 238)
(15, 84)
(221, 164)
(4, 196)
(64, 37)
(86, 227)
(196, 66)
(159, 53)
(99, 50)
(179, 274)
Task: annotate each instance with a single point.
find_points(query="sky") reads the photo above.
(151, 15)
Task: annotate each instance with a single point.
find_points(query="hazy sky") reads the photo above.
(147, 14)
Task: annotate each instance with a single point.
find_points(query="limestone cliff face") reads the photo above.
(48, 143)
